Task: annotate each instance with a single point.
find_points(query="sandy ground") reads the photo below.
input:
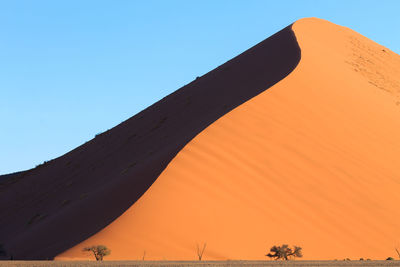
(196, 263)
(313, 161)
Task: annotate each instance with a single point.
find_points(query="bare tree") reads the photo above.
(398, 252)
(98, 251)
(144, 255)
(200, 251)
(284, 252)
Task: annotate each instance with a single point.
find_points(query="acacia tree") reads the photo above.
(284, 252)
(98, 251)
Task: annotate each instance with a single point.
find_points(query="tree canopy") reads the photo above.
(98, 251)
(284, 252)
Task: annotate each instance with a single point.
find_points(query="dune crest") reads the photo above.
(313, 161)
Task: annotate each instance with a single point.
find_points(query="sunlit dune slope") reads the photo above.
(57, 205)
(313, 161)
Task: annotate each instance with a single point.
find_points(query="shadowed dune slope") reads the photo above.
(46, 210)
(313, 161)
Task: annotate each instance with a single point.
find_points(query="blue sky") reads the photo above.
(70, 69)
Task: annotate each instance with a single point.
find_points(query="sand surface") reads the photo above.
(195, 263)
(313, 161)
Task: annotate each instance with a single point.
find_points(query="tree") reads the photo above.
(200, 251)
(98, 251)
(284, 252)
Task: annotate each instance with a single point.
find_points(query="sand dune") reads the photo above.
(61, 203)
(313, 161)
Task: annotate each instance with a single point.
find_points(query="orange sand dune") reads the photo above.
(313, 161)
(55, 206)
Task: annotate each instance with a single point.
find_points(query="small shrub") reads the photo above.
(132, 164)
(284, 252)
(98, 251)
(390, 259)
(41, 164)
(65, 202)
(35, 218)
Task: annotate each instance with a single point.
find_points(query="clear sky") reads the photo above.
(70, 69)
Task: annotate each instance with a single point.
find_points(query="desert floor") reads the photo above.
(195, 263)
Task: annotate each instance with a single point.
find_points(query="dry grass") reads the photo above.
(194, 263)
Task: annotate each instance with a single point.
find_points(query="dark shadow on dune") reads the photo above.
(46, 210)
